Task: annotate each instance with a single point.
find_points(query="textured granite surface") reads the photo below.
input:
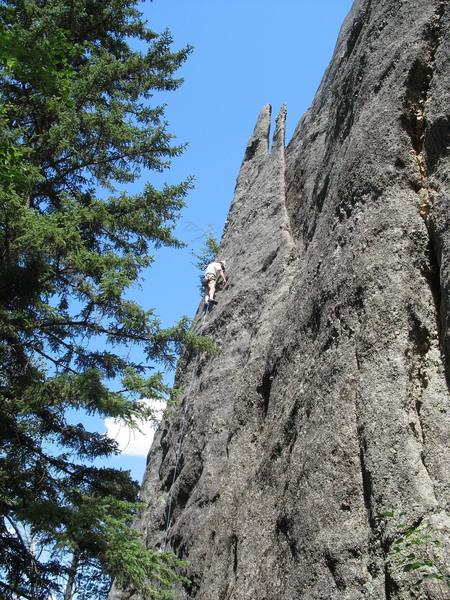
(320, 435)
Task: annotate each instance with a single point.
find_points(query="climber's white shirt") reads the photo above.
(213, 268)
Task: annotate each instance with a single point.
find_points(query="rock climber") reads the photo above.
(213, 271)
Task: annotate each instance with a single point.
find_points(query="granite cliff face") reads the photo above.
(326, 416)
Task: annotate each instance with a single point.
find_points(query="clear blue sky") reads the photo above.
(247, 53)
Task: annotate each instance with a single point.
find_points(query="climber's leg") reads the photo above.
(212, 290)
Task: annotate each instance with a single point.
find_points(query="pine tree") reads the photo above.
(77, 124)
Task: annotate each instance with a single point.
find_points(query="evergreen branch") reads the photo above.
(25, 546)
(53, 360)
(18, 592)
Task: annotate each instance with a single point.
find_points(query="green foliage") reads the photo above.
(416, 550)
(77, 126)
(208, 253)
(153, 573)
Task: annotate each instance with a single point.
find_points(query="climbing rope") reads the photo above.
(181, 435)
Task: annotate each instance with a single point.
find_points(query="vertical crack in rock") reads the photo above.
(388, 584)
(234, 547)
(436, 147)
(376, 550)
(357, 26)
(284, 532)
(417, 95)
(264, 391)
(366, 479)
(419, 84)
(331, 564)
(264, 388)
(432, 275)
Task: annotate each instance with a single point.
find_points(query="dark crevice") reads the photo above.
(293, 439)
(365, 478)
(172, 475)
(377, 550)
(168, 479)
(354, 35)
(344, 116)
(199, 370)
(165, 445)
(332, 340)
(346, 99)
(332, 563)
(269, 260)
(225, 595)
(386, 73)
(321, 194)
(356, 29)
(206, 501)
(419, 345)
(276, 451)
(388, 583)
(367, 483)
(284, 530)
(234, 543)
(290, 427)
(419, 336)
(167, 523)
(315, 318)
(192, 587)
(265, 387)
(182, 497)
(178, 545)
(229, 438)
(428, 144)
(187, 480)
(251, 150)
(378, 547)
(181, 484)
(264, 391)
(399, 163)
(433, 277)
(418, 87)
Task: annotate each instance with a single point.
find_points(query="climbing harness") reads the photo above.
(206, 310)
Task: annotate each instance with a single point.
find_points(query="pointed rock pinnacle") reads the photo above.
(279, 134)
(259, 142)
